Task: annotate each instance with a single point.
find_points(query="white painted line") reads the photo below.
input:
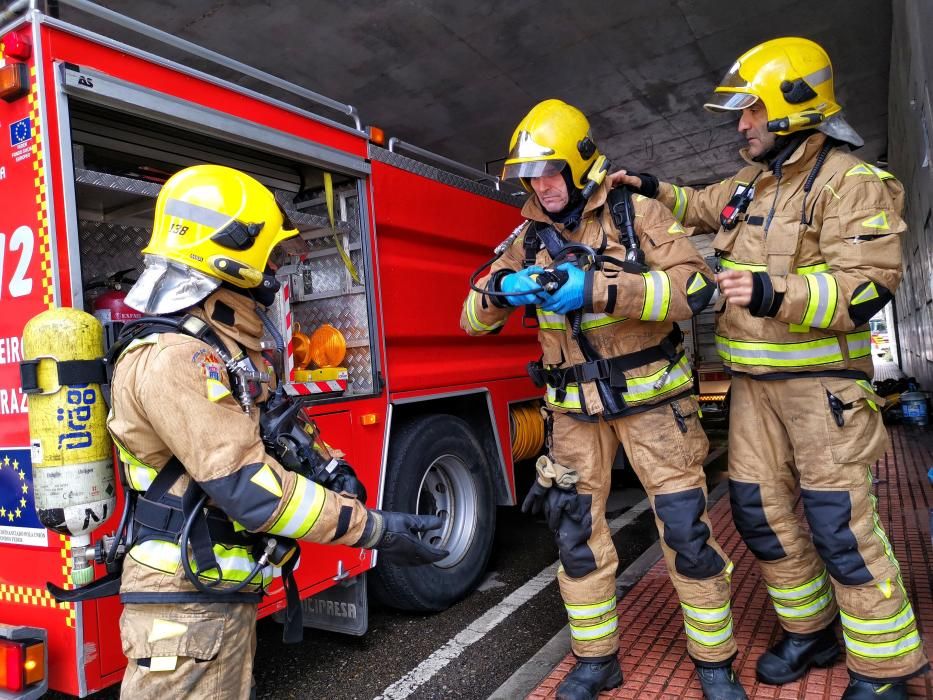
(479, 628)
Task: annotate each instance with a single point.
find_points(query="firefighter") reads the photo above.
(808, 238)
(616, 374)
(186, 409)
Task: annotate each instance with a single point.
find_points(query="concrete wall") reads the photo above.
(910, 151)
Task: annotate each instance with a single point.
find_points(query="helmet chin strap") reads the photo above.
(263, 294)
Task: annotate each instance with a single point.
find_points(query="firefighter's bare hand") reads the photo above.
(736, 286)
(621, 177)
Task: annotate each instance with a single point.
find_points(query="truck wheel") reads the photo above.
(436, 466)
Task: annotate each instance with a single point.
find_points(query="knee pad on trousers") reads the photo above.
(686, 534)
(748, 513)
(572, 536)
(829, 513)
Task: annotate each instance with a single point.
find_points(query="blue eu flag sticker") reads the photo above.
(17, 501)
(20, 132)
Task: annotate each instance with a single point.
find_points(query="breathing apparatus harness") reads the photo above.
(607, 372)
(186, 520)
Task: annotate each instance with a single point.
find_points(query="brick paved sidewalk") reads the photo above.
(654, 655)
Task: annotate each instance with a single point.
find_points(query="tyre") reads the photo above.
(437, 466)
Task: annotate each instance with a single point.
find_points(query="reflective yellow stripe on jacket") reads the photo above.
(235, 562)
(809, 353)
(657, 296)
(728, 264)
(638, 389)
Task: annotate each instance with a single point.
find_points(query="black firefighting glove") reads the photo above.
(564, 502)
(535, 500)
(395, 537)
(649, 184)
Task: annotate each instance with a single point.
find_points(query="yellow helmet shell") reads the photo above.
(552, 135)
(790, 75)
(220, 222)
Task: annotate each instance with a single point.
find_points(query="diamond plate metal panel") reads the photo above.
(348, 314)
(447, 178)
(117, 182)
(107, 248)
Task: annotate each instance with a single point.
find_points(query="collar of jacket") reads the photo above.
(801, 159)
(533, 210)
(246, 327)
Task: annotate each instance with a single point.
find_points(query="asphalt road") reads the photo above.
(467, 651)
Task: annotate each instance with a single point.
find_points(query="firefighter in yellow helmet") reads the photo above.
(615, 376)
(808, 238)
(193, 407)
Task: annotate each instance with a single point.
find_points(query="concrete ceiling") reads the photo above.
(455, 77)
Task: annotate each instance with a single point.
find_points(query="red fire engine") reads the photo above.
(89, 130)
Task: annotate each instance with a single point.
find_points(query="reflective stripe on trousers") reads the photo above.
(803, 601)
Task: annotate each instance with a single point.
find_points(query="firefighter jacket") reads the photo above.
(826, 257)
(623, 313)
(171, 396)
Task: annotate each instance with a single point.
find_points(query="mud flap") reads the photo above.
(342, 608)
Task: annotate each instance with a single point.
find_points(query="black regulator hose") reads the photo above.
(186, 563)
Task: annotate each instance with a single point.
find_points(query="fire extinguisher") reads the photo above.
(107, 301)
(71, 450)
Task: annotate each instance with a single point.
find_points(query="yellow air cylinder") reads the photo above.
(72, 463)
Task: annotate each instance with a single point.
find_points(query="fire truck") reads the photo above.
(91, 126)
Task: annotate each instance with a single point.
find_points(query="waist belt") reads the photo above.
(611, 370)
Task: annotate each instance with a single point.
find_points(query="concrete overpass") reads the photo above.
(456, 77)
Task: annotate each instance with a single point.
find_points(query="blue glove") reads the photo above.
(522, 282)
(570, 296)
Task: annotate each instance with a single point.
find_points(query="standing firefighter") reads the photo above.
(808, 239)
(615, 372)
(191, 393)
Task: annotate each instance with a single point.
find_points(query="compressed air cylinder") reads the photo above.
(72, 462)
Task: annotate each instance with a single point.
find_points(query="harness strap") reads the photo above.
(609, 369)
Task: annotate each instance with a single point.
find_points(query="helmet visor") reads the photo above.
(729, 101)
(534, 168)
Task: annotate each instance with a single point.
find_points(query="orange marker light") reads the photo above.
(14, 81)
(369, 419)
(377, 135)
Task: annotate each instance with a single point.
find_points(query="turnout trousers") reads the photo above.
(188, 650)
(666, 446)
(787, 433)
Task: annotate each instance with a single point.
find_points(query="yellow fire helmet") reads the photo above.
(552, 135)
(793, 77)
(212, 224)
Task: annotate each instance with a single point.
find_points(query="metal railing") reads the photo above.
(396, 145)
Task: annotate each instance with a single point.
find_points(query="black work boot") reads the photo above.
(875, 690)
(720, 683)
(589, 677)
(790, 658)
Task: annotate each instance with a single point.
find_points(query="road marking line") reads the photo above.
(484, 624)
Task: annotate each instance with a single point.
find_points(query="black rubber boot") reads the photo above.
(589, 677)
(720, 683)
(790, 658)
(875, 690)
